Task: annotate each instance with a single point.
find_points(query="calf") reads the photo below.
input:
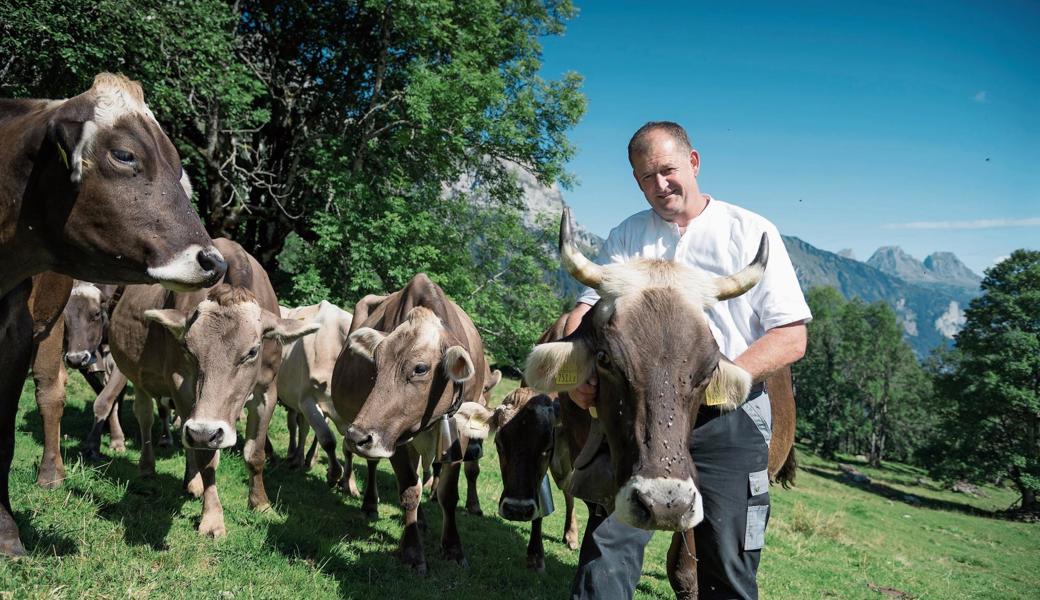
(214, 352)
(304, 383)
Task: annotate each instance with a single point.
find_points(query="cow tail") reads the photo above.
(785, 476)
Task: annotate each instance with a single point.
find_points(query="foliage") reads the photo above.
(860, 388)
(345, 127)
(990, 383)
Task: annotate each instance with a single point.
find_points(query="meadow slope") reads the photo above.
(109, 534)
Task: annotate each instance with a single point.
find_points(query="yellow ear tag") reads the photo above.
(64, 157)
(567, 375)
(714, 395)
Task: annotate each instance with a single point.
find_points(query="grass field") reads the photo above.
(108, 534)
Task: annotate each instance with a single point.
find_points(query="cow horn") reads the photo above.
(742, 281)
(581, 268)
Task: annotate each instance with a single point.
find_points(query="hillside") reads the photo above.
(109, 533)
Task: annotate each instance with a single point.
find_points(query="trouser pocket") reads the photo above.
(757, 510)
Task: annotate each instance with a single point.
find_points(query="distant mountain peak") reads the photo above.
(892, 260)
(847, 253)
(946, 265)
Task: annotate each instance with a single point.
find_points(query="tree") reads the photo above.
(860, 388)
(348, 124)
(990, 383)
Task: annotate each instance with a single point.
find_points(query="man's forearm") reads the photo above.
(778, 348)
(574, 317)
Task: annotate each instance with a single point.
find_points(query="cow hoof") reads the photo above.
(262, 507)
(50, 478)
(163, 443)
(349, 487)
(536, 564)
(118, 447)
(372, 514)
(419, 569)
(93, 455)
(571, 539)
(212, 528)
(10, 544)
(474, 509)
(146, 472)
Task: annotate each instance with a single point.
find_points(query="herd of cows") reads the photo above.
(92, 189)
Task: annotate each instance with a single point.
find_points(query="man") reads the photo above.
(761, 331)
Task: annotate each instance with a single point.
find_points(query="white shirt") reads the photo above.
(722, 240)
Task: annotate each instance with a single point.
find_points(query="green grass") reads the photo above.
(108, 534)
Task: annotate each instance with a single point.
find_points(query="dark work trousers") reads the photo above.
(731, 452)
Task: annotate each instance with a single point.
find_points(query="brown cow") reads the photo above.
(648, 339)
(92, 188)
(213, 351)
(412, 358)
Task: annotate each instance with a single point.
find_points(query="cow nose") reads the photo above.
(659, 503)
(360, 440)
(212, 262)
(512, 509)
(206, 434)
(78, 360)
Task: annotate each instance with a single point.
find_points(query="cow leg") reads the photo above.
(166, 436)
(261, 408)
(292, 424)
(304, 427)
(323, 434)
(570, 525)
(116, 437)
(472, 498)
(348, 484)
(448, 498)
(370, 503)
(145, 413)
(310, 459)
(50, 377)
(405, 462)
(535, 550)
(15, 356)
(114, 389)
(212, 523)
(682, 565)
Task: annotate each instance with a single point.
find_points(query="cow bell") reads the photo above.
(544, 499)
(449, 447)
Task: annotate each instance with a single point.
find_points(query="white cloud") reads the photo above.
(999, 259)
(976, 224)
(981, 96)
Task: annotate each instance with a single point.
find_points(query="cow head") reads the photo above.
(524, 426)
(223, 342)
(86, 316)
(419, 367)
(119, 203)
(649, 342)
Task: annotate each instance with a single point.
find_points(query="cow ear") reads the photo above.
(558, 366)
(286, 330)
(363, 342)
(475, 421)
(729, 386)
(457, 364)
(170, 318)
(495, 379)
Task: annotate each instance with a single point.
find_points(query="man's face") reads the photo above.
(668, 177)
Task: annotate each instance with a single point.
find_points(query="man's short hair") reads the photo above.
(638, 144)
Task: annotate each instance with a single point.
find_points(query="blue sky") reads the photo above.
(849, 125)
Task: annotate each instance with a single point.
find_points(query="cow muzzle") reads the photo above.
(79, 360)
(366, 443)
(659, 503)
(513, 509)
(208, 435)
(193, 268)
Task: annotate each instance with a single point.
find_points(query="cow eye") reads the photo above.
(251, 354)
(127, 158)
(95, 316)
(421, 369)
(602, 359)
